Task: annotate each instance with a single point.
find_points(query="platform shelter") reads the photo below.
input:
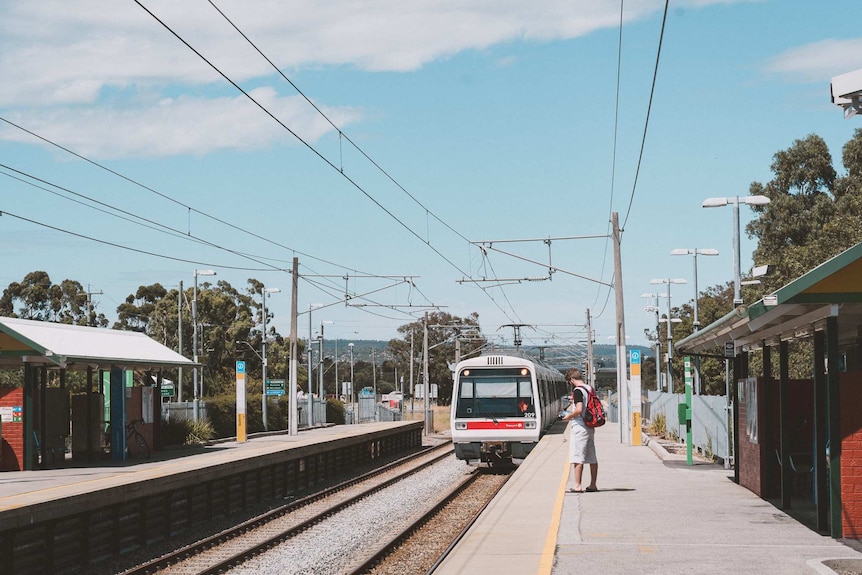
(798, 441)
(38, 414)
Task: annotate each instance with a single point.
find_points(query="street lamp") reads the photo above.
(694, 252)
(735, 201)
(669, 281)
(264, 291)
(310, 354)
(196, 402)
(321, 390)
(350, 345)
(655, 308)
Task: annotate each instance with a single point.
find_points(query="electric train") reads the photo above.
(501, 405)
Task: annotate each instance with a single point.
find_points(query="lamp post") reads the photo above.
(264, 291)
(196, 402)
(655, 308)
(310, 353)
(735, 201)
(321, 390)
(669, 362)
(350, 346)
(694, 252)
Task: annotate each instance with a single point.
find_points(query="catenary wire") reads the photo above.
(341, 133)
(350, 180)
(646, 121)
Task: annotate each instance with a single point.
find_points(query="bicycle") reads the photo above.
(136, 438)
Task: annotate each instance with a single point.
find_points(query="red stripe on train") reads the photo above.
(492, 425)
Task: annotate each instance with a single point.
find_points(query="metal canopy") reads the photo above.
(797, 310)
(76, 347)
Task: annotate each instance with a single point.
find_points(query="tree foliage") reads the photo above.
(36, 297)
(444, 330)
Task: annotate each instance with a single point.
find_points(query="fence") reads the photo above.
(179, 410)
(709, 419)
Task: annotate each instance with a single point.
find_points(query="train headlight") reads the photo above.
(460, 425)
(531, 424)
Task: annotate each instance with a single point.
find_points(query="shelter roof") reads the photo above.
(832, 289)
(77, 347)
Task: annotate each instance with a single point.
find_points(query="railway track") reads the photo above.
(421, 546)
(217, 554)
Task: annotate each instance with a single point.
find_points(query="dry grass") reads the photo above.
(441, 415)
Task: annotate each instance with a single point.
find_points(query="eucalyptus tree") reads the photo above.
(36, 297)
(443, 330)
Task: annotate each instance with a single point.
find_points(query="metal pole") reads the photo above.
(411, 370)
(263, 361)
(180, 342)
(657, 345)
(669, 345)
(427, 380)
(696, 326)
(195, 349)
(320, 364)
(293, 348)
(337, 382)
(310, 353)
(737, 280)
(352, 406)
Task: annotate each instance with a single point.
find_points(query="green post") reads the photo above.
(688, 457)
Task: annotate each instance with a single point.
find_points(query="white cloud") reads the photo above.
(176, 126)
(84, 72)
(819, 61)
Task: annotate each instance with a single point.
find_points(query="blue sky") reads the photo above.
(491, 121)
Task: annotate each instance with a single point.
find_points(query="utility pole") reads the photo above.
(180, 341)
(426, 379)
(625, 401)
(412, 356)
(293, 427)
(90, 313)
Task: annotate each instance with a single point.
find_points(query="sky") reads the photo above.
(414, 156)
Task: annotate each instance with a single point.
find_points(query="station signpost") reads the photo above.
(240, 402)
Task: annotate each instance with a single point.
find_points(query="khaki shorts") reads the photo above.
(582, 445)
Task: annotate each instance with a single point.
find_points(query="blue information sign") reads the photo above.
(240, 367)
(636, 356)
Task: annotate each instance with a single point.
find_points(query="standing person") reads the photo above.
(582, 445)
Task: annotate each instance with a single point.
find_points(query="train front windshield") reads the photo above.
(491, 393)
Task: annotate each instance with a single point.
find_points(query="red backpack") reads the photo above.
(594, 412)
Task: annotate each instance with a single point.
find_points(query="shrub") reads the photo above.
(658, 426)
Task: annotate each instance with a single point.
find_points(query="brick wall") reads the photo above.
(12, 445)
(851, 454)
(750, 456)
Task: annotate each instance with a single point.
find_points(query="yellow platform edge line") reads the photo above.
(546, 563)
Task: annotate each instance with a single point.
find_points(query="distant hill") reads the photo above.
(560, 357)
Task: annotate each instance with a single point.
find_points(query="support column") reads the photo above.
(784, 424)
(118, 414)
(29, 463)
(769, 462)
(821, 414)
(834, 426)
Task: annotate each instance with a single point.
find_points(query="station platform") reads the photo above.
(653, 514)
(62, 520)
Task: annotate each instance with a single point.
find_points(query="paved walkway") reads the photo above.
(656, 515)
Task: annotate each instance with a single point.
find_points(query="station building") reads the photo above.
(41, 420)
(798, 442)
